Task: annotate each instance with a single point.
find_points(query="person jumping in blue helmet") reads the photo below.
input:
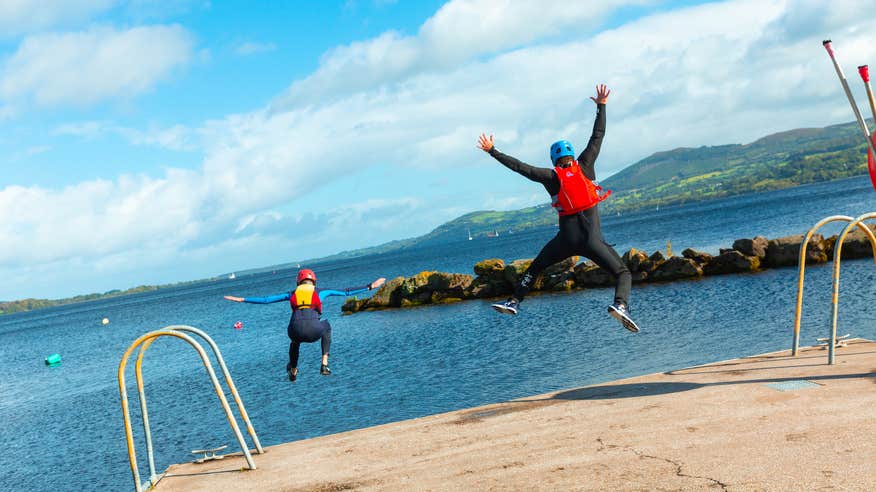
(305, 326)
(575, 196)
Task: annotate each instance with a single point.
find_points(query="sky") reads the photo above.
(150, 142)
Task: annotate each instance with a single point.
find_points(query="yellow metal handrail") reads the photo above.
(837, 256)
(802, 267)
(143, 343)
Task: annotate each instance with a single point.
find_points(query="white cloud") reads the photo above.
(718, 73)
(27, 153)
(460, 31)
(24, 16)
(85, 129)
(36, 150)
(7, 113)
(87, 67)
(99, 218)
(177, 137)
(252, 48)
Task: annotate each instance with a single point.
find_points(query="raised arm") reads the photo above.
(261, 300)
(537, 174)
(587, 159)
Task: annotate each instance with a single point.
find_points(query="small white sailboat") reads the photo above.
(469, 235)
(232, 276)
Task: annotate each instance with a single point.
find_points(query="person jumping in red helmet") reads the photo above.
(305, 326)
(575, 196)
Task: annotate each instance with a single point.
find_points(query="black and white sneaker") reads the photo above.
(324, 370)
(508, 307)
(292, 375)
(620, 312)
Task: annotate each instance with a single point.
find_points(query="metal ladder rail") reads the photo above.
(123, 393)
(147, 431)
(230, 382)
(837, 257)
(802, 269)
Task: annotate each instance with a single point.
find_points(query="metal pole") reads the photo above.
(221, 394)
(864, 72)
(842, 77)
(802, 269)
(837, 256)
(802, 272)
(123, 392)
(228, 380)
(129, 433)
(153, 477)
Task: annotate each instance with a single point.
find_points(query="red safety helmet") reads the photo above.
(306, 274)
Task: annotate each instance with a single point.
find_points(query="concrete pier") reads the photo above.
(766, 422)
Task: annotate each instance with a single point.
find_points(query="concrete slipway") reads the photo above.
(766, 422)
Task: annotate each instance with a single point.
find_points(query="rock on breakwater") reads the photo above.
(494, 277)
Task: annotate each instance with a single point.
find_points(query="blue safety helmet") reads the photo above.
(560, 149)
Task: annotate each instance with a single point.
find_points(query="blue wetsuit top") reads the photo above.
(323, 293)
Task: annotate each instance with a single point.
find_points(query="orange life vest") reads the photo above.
(306, 297)
(577, 192)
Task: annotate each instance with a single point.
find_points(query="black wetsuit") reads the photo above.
(306, 327)
(579, 234)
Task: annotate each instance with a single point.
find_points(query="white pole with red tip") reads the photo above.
(864, 72)
(842, 77)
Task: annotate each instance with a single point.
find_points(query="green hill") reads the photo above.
(781, 160)
(777, 161)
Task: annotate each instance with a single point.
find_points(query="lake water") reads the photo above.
(63, 426)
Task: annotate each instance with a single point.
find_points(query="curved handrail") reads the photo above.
(153, 477)
(837, 256)
(141, 392)
(129, 435)
(228, 380)
(802, 268)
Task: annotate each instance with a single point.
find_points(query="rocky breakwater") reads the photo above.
(496, 278)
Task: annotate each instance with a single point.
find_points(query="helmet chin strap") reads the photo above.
(568, 164)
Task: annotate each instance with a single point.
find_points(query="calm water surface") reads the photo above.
(63, 426)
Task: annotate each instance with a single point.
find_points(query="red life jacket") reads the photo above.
(306, 297)
(577, 192)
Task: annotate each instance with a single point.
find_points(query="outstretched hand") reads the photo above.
(485, 143)
(377, 283)
(235, 299)
(602, 93)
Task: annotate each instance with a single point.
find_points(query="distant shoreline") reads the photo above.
(25, 305)
(31, 304)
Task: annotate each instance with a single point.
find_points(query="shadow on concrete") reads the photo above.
(634, 390)
(625, 391)
(754, 360)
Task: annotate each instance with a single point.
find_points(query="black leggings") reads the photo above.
(579, 234)
(306, 327)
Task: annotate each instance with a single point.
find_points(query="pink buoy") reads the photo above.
(238, 325)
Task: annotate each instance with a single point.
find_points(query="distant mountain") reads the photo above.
(682, 175)
(781, 160)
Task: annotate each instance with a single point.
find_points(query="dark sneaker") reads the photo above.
(324, 370)
(292, 375)
(508, 307)
(621, 313)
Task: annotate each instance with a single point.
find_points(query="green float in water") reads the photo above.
(53, 360)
